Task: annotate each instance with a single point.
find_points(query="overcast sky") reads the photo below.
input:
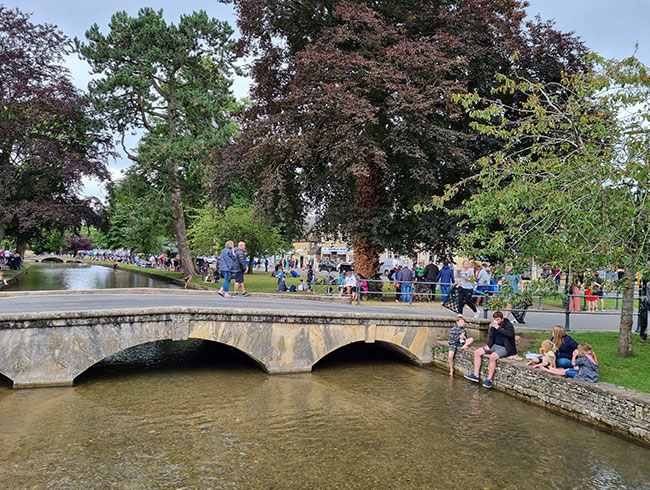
(611, 28)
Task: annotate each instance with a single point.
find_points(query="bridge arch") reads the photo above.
(398, 350)
(52, 260)
(234, 345)
(89, 365)
(5, 378)
(86, 364)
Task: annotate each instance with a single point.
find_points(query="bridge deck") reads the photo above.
(41, 301)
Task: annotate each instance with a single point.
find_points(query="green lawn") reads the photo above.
(630, 372)
(610, 303)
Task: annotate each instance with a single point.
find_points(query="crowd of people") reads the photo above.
(10, 259)
(560, 355)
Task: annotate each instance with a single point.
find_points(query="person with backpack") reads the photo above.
(445, 278)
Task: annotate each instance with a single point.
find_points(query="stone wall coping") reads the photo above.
(164, 291)
(319, 317)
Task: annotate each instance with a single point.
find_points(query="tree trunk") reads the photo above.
(21, 246)
(181, 232)
(2, 232)
(189, 268)
(627, 315)
(369, 196)
(366, 256)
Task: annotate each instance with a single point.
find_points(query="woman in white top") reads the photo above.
(466, 290)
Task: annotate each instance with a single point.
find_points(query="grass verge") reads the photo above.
(629, 372)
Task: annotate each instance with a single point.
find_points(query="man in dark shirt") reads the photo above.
(239, 268)
(500, 343)
(430, 274)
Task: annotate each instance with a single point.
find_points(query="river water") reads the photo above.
(40, 277)
(196, 415)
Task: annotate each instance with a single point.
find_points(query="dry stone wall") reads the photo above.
(624, 411)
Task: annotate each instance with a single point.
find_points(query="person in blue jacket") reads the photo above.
(445, 279)
(226, 265)
(564, 347)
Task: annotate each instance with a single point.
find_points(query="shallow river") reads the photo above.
(39, 277)
(198, 415)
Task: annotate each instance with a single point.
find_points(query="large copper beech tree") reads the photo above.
(49, 140)
(353, 118)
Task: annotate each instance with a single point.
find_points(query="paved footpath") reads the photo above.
(71, 301)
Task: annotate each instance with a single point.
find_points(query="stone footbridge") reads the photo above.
(53, 348)
(54, 259)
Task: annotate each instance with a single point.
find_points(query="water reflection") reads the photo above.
(50, 277)
(200, 415)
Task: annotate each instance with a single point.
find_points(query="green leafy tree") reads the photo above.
(172, 82)
(46, 241)
(213, 227)
(139, 217)
(572, 183)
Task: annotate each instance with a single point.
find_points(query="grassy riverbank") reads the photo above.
(258, 281)
(8, 275)
(630, 372)
(556, 301)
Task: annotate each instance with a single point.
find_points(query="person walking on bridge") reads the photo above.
(226, 265)
(239, 269)
(466, 289)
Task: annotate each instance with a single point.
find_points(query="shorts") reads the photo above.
(239, 276)
(497, 349)
(454, 347)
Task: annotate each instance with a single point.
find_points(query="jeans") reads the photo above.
(406, 293)
(563, 363)
(444, 291)
(226, 281)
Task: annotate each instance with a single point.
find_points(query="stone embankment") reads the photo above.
(620, 410)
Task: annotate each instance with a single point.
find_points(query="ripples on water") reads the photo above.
(200, 415)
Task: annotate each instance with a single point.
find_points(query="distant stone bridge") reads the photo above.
(52, 349)
(58, 259)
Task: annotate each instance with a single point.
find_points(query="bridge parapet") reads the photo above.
(50, 349)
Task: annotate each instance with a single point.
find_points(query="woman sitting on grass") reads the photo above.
(585, 366)
(565, 346)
